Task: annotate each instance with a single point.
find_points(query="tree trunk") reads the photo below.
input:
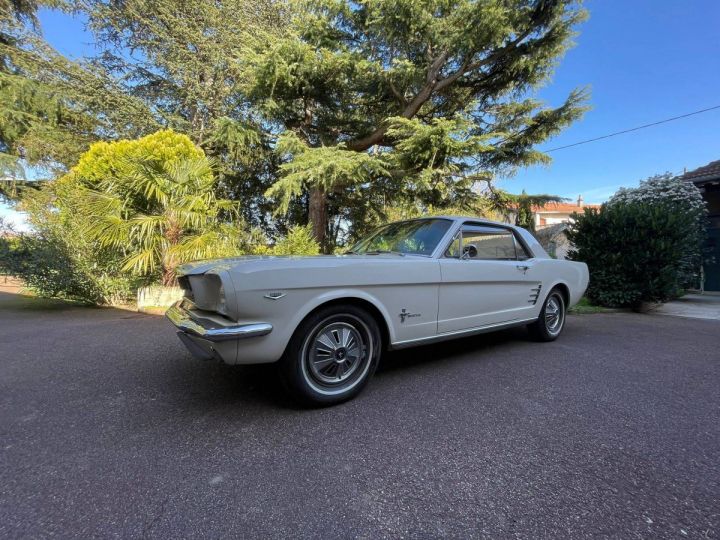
(173, 232)
(168, 276)
(318, 214)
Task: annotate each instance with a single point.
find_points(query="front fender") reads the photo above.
(285, 318)
(341, 294)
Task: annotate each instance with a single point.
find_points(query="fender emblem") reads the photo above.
(274, 295)
(405, 315)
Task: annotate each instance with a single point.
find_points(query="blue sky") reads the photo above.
(643, 61)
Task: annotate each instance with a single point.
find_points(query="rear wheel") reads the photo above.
(552, 318)
(332, 355)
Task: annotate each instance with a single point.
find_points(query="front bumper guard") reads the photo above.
(183, 320)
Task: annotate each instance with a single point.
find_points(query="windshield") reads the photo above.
(416, 237)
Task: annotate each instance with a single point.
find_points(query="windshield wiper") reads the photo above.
(384, 251)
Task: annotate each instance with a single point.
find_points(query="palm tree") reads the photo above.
(162, 214)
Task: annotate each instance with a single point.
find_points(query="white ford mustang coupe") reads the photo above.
(326, 320)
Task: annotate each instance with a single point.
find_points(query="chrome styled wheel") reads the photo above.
(554, 314)
(551, 320)
(336, 354)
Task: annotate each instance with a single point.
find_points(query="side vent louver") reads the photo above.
(535, 294)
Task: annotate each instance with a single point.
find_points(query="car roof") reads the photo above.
(476, 219)
(529, 240)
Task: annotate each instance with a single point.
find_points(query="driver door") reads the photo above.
(487, 279)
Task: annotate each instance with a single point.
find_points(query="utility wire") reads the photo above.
(634, 129)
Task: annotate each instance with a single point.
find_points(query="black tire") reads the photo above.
(551, 321)
(331, 356)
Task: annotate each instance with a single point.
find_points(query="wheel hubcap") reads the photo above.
(554, 315)
(337, 351)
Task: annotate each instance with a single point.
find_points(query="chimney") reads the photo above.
(580, 201)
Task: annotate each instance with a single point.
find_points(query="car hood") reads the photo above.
(265, 262)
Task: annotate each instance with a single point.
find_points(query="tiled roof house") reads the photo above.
(707, 179)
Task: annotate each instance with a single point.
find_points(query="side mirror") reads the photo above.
(469, 252)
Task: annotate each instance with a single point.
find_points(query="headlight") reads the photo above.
(208, 293)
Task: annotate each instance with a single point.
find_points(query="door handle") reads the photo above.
(523, 267)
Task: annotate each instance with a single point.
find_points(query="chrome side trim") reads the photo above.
(459, 333)
(182, 319)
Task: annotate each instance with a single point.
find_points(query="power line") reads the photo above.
(634, 129)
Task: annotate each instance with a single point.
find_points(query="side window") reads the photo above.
(487, 243)
(522, 253)
(481, 242)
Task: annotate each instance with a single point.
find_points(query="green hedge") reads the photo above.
(635, 252)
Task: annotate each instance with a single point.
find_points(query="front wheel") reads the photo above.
(332, 355)
(551, 320)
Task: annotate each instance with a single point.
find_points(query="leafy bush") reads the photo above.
(55, 261)
(125, 216)
(117, 159)
(635, 251)
(51, 268)
(149, 205)
(299, 241)
(677, 196)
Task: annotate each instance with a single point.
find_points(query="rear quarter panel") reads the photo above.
(570, 273)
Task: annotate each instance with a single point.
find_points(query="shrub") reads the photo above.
(675, 195)
(51, 268)
(126, 215)
(117, 159)
(299, 241)
(55, 261)
(153, 201)
(635, 251)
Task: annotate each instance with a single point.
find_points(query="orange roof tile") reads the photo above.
(563, 207)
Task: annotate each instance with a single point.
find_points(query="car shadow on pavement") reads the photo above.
(406, 359)
(219, 385)
(230, 387)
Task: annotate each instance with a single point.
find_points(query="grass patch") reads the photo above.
(585, 307)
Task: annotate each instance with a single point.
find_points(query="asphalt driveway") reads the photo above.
(108, 428)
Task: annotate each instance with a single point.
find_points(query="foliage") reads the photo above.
(184, 61)
(52, 108)
(634, 250)
(48, 267)
(299, 241)
(153, 199)
(104, 160)
(431, 89)
(57, 261)
(680, 196)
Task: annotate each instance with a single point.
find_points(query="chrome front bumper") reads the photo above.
(184, 321)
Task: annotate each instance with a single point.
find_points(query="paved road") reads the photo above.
(694, 306)
(109, 429)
